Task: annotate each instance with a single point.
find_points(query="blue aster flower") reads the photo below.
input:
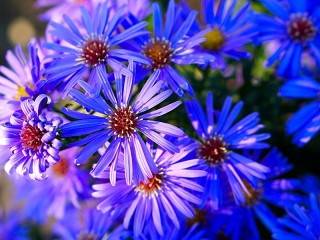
(57, 8)
(119, 124)
(220, 140)
(295, 26)
(302, 223)
(185, 232)
(32, 139)
(66, 186)
(11, 226)
(230, 31)
(88, 223)
(271, 191)
(169, 44)
(164, 200)
(91, 48)
(22, 80)
(306, 122)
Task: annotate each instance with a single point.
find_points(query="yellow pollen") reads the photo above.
(215, 39)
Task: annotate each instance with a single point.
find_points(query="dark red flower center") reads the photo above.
(123, 122)
(213, 150)
(153, 185)
(160, 52)
(61, 168)
(31, 137)
(94, 52)
(300, 27)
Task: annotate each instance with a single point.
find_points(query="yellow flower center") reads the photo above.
(215, 39)
(21, 91)
(254, 195)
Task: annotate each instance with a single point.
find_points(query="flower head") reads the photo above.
(305, 123)
(32, 139)
(92, 48)
(220, 139)
(120, 124)
(163, 200)
(272, 190)
(65, 186)
(11, 226)
(295, 26)
(172, 45)
(302, 223)
(23, 80)
(87, 223)
(230, 30)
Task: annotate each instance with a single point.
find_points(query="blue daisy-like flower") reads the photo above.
(32, 139)
(11, 225)
(295, 26)
(302, 223)
(185, 232)
(271, 191)
(306, 122)
(88, 223)
(172, 44)
(57, 8)
(91, 48)
(220, 138)
(65, 187)
(22, 81)
(164, 200)
(121, 122)
(230, 31)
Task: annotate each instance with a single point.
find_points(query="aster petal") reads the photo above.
(161, 111)
(97, 141)
(107, 157)
(161, 141)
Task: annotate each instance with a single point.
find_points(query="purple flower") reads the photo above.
(87, 223)
(220, 139)
(301, 223)
(165, 199)
(306, 122)
(11, 226)
(32, 139)
(119, 124)
(65, 186)
(91, 48)
(171, 44)
(58, 8)
(295, 25)
(22, 81)
(230, 31)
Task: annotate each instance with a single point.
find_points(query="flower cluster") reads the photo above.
(96, 143)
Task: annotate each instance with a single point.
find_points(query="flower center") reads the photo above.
(21, 90)
(160, 52)
(255, 194)
(31, 137)
(215, 39)
(214, 150)
(94, 51)
(123, 122)
(300, 27)
(153, 186)
(61, 168)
